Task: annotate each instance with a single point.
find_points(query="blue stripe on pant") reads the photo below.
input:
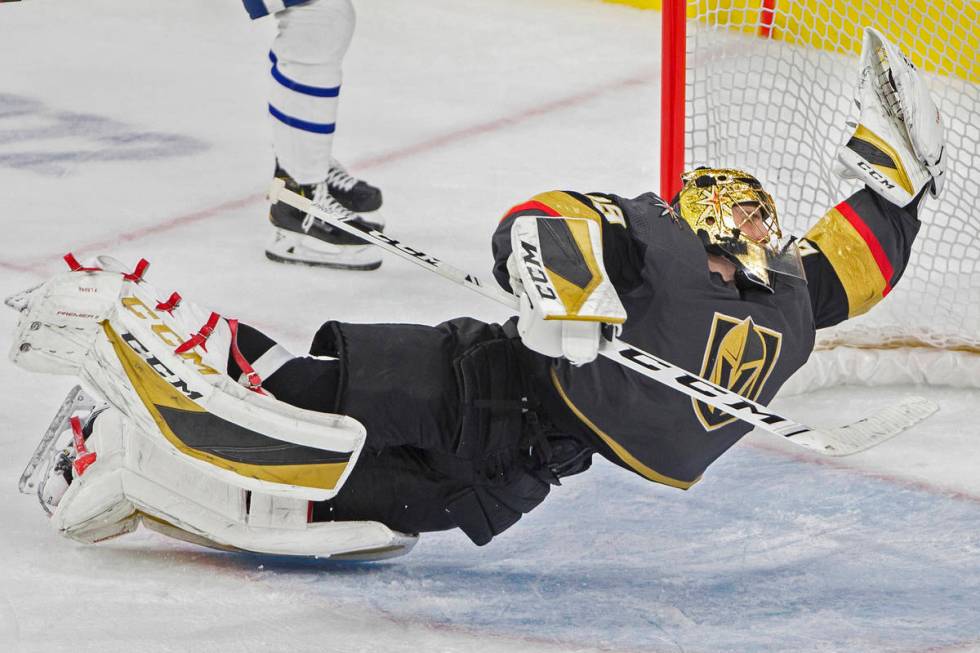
(305, 125)
(305, 89)
(257, 8)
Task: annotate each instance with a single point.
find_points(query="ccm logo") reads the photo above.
(877, 176)
(166, 335)
(535, 269)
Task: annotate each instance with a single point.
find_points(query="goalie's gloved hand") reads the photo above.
(557, 272)
(898, 145)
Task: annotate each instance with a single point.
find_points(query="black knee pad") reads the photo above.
(485, 511)
(455, 390)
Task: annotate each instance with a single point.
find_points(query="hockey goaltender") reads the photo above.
(206, 429)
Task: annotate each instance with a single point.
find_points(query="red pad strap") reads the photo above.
(201, 337)
(137, 274)
(75, 266)
(254, 380)
(172, 302)
(84, 457)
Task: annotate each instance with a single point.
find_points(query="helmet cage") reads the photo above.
(735, 217)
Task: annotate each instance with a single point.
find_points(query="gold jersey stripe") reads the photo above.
(852, 260)
(567, 206)
(619, 449)
(153, 391)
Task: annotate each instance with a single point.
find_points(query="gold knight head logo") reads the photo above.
(740, 356)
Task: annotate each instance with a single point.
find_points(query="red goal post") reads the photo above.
(767, 85)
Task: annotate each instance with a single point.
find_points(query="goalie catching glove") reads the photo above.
(566, 298)
(898, 144)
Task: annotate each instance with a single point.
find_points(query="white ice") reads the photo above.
(139, 129)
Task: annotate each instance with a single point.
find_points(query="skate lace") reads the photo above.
(324, 200)
(338, 177)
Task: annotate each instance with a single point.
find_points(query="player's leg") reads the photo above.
(455, 393)
(205, 454)
(413, 491)
(110, 475)
(452, 439)
(306, 60)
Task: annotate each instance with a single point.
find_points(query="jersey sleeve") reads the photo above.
(621, 254)
(855, 254)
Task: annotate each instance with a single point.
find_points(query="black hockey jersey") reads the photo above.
(748, 340)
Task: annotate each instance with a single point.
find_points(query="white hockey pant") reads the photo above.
(307, 55)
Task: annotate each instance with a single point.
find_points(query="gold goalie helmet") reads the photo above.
(735, 218)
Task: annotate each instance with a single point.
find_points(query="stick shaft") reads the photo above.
(645, 363)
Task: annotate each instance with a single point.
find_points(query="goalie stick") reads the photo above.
(835, 441)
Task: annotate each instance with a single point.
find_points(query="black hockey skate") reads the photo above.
(300, 239)
(353, 194)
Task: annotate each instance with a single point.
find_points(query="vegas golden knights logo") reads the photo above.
(740, 356)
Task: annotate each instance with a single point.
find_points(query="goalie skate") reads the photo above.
(113, 476)
(76, 403)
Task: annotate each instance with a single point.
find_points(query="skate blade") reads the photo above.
(76, 401)
(323, 264)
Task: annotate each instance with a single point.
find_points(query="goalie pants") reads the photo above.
(455, 434)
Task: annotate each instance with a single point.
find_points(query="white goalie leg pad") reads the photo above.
(898, 144)
(163, 364)
(134, 477)
(557, 270)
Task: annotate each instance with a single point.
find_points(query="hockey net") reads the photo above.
(768, 86)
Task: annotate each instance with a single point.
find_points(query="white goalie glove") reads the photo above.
(556, 269)
(898, 145)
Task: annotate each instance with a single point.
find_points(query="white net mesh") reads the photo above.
(778, 106)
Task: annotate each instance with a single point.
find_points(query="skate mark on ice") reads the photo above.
(53, 142)
(515, 119)
(13, 106)
(843, 465)
(44, 266)
(768, 554)
(9, 625)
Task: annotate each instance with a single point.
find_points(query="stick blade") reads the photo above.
(275, 188)
(870, 431)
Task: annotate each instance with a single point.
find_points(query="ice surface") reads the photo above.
(139, 129)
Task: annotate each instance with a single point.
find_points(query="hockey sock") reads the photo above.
(309, 383)
(304, 382)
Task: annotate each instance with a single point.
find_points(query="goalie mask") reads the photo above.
(735, 218)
